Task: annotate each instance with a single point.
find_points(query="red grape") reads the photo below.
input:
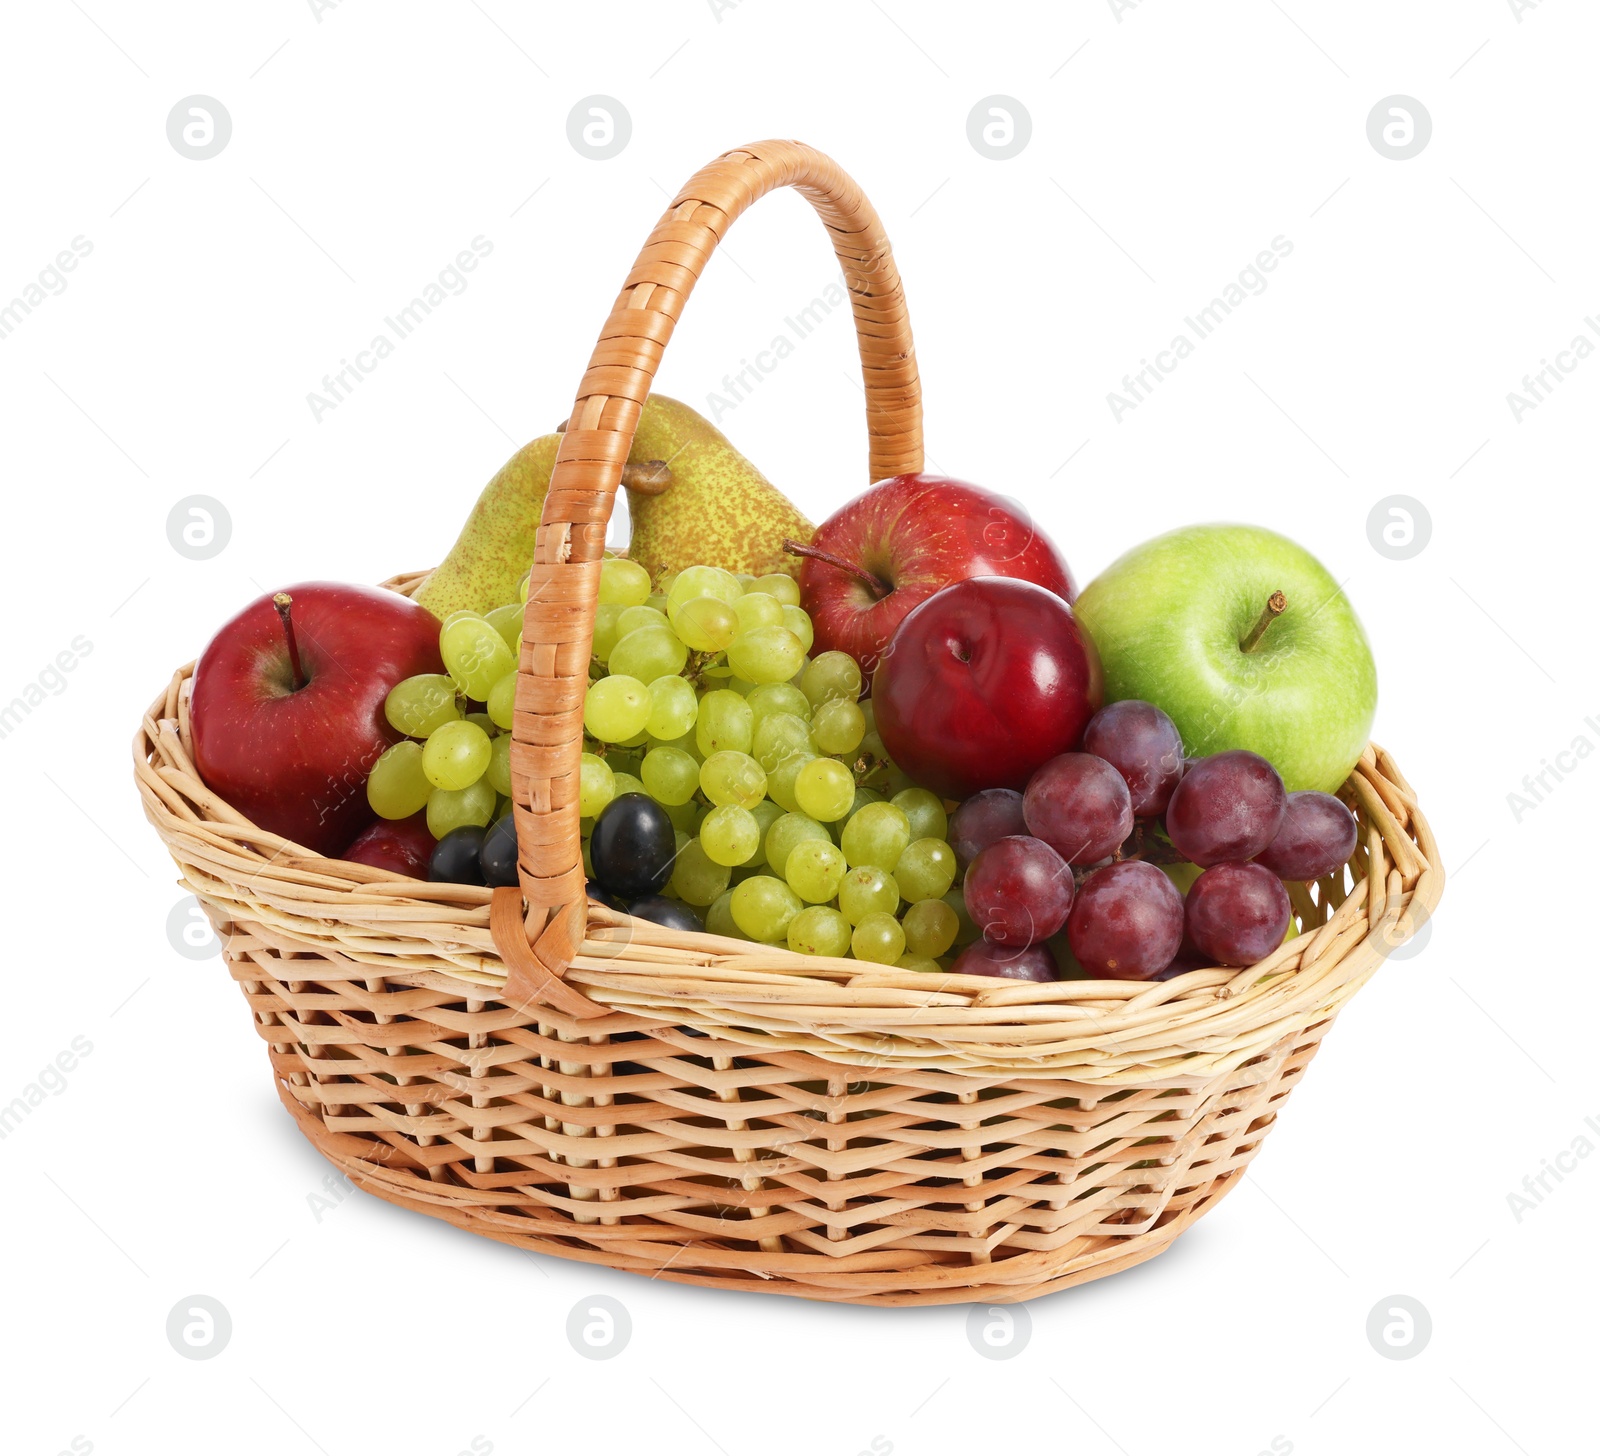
(1229, 806)
(1127, 923)
(1018, 891)
(1010, 962)
(1317, 836)
(1142, 744)
(984, 818)
(1080, 806)
(1237, 914)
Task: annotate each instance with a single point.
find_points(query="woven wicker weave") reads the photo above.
(533, 1067)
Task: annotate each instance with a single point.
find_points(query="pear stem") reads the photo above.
(283, 601)
(647, 477)
(877, 584)
(1277, 603)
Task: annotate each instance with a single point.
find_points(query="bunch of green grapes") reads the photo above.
(793, 826)
(455, 758)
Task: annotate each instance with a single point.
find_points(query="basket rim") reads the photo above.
(1111, 1032)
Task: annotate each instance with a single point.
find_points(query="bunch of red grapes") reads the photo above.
(1051, 858)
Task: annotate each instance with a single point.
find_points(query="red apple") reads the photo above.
(985, 681)
(401, 846)
(902, 540)
(287, 712)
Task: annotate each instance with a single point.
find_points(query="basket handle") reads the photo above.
(563, 589)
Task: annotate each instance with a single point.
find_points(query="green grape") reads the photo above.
(766, 654)
(502, 701)
(498, 774)
(814, 870)
(507, 621)
(819, 930)
(763, 907)
(627, 783)
(725, 721)
(719, 918)
(616, 708)
(707, 624)
(800, 624)
(966, 928)
(779, 585)
(925, 964)
(607, 617)
(686, 817)
(756, 609)
(622, 760)
(697, 879)
(670, 776)
(930, 927)
(475, 655)
(673, 707)
(867, 889)
(878, 937)
(703, 581)
(766, 814)
(729, 777)
(786, 833)
(833, 675)
(781, 781)
(925, 811)
(451, 808)
(769, 699)
(455, 755)
(825, 789)
(417, 705)
(633, 618)
(926, 869)
(877, 835)
(729, 834)
(838, 726)
(778, 737)
(597, 785)
(623, 583)
(647, 654)
(864, 796)
(397, 788)
(657, 602)
(485, 722)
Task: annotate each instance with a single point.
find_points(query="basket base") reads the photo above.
(1024, 1276)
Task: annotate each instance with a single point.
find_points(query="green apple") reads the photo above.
(1184, 622)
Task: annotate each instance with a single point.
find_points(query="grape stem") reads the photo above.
(876, 584)
(1277, 603)
(283, 601)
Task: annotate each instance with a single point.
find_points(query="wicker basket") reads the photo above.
(536, 1068)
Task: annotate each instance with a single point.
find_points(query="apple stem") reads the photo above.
(1275, 607)
(877, 584)
(283, 601)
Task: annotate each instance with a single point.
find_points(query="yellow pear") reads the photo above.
(714, 508)
(495, 546)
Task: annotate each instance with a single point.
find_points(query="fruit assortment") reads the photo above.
(904, 738)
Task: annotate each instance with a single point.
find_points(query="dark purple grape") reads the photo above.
(984, 818)
(498, 857)
(1317, 836)
(633, 846)
(1229, 806)
(1236, 914)
(602, 896)
(1139, 741)
(1018, 891)
(1127, 923)
(1180, 965)
(660, 910)
(1010, 962)
(454, 859)
(1080, 806)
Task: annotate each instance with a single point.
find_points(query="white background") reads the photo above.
(1169, 145)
